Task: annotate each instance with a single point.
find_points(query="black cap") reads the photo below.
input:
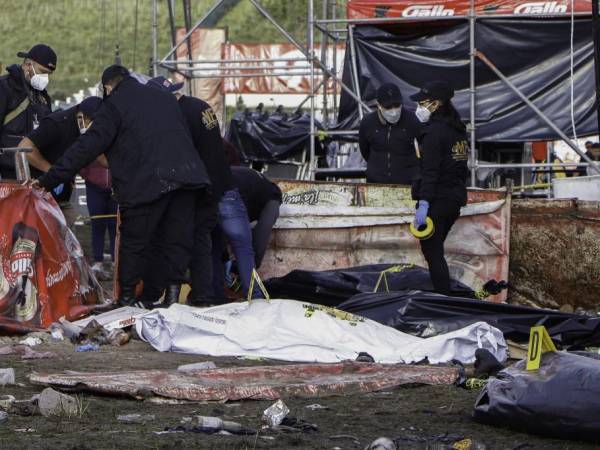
(588, 143)
(164, 84)
(434, 90)
(112, 72)
(388, 95)
(41, 54)
(90, 106)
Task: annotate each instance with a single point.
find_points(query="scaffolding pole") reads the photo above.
(311, 48)
(154, 38)
(472, 93)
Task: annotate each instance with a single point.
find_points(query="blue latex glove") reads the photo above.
(421, 214)
(58, 189)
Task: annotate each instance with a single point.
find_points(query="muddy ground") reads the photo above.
(408, 412)
(415, 414)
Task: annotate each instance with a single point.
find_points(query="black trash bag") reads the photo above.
(561, 399)
(332, 287)
(427, 314)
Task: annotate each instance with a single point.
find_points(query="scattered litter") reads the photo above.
(197, 366)
(354, 439)
(255, 382)
(30, 341)
(382, 443)
(6, 401)
(117, 337)
(24, 430)
(275, 413)
(292, 424)
(117, 318)
(87, 348)
(7, 376)
(136, 418)
(317, 407)
(54, 403)
(3, 417)
(26, 352)
(210, 425)
(57, 332)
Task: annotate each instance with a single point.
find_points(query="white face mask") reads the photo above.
(39, 81)
(423, 114)
(391, 115)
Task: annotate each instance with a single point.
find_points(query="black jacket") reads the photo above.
(14, 88)
(389, 149)
(255, 189)
(146, 140)
(56, 133)
(444, 156)
(206, 134)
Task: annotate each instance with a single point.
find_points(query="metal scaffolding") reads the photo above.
(338, 30)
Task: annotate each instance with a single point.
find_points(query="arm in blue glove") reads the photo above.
(421, 214)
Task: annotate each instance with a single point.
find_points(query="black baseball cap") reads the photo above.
(388, 95)
(41, 54)
(165, 84)
(90, 106)
(112, 72)
(434, 90)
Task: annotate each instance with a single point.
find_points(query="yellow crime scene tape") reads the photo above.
(96, 217)
(423, 232)
(383, 276)
(256, 278)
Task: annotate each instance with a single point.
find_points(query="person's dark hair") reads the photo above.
(448, 113)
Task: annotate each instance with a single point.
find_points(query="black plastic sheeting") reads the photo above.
(267, 137)
(534, 54)
(332, 287)
(426, 314)
(561, 399)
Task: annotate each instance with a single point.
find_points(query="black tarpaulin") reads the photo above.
(270, 137)
(426, 314)
(534, 54)
(560, 399)
(332, 287)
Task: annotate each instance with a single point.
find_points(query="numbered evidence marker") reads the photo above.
(539, 343)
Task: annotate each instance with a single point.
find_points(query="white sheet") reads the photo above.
(290, 330)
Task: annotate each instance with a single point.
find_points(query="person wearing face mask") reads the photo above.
(49, 141)
(440, 190)
(387, 139)
(24, 101)
(155, 171)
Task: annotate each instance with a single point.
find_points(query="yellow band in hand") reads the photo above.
(423, 232)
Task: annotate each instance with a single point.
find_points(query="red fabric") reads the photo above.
(43, 273)
(539, 150)
(96, 174)
(360, 9)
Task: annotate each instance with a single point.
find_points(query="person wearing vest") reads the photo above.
(24, 101)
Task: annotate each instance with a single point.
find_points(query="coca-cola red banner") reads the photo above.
(43, 273)
(361, 9)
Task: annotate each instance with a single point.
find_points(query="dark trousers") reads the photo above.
(443, 213)
(100, 203)
(200, 261)
(201, 265)
(171, 217)
(262, 230)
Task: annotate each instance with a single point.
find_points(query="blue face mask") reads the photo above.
(391, 115)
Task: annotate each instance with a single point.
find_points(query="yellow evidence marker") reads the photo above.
(539, 343)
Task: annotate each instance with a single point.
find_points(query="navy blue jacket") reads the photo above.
(147, 142)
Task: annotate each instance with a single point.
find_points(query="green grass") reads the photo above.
(84, 33)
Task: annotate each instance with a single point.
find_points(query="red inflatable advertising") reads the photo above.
(43, 272)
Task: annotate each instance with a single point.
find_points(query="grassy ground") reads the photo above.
(410, 412)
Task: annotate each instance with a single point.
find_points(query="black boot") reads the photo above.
(127, 297)
(172, 294)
